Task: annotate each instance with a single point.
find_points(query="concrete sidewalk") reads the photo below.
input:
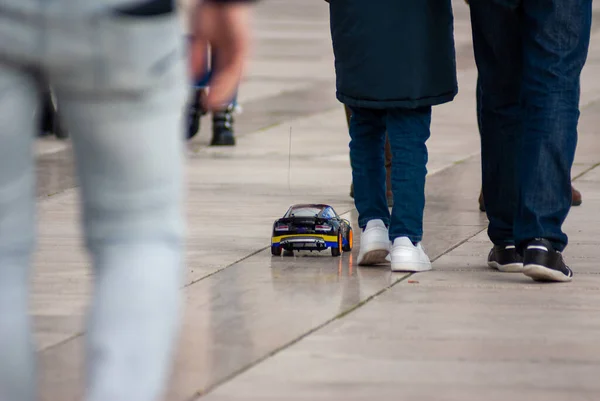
(317, 327)
(460, 332)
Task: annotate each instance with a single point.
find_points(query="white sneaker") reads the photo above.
(407, 257)
(374, 244)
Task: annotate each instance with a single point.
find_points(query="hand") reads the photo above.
(225, 27)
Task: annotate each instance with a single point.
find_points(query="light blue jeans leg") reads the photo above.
(127, 132)
(18, 103)
(120, 81)
(129, 157)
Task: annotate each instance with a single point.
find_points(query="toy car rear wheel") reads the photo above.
(349, 241)
(276, 250)
(337, 251)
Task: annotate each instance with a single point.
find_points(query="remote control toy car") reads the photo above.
(312, 227)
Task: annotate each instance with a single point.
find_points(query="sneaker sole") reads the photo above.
(542, 273)
(510, 268)
(374, 257)
(411, 267)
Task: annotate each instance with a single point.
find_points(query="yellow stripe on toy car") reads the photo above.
(327, 238)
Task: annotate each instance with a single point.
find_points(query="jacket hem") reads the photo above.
(397, 103)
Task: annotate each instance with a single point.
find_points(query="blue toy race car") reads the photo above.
(313, 227)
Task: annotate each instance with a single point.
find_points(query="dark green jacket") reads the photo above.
(393, 53)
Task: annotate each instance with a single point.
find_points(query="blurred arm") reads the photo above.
(224, 25)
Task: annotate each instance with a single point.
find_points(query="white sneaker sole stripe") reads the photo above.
(542, 273)
(413, 267)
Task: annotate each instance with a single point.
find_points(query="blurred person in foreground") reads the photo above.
(118, 69)
(394, 60)
(529, 55)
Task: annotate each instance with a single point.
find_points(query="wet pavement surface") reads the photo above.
(314, 327)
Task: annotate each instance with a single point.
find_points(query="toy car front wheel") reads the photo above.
(349, 241)
(276, 250)
(338, 250)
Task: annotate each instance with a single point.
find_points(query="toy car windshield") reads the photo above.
(304, 212)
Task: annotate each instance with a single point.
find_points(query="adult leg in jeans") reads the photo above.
(129, 159)
(408, 131)
(556, 39)
(497, 45)
(126, 126)
(576, 198)
(19, 97)
(367, 132)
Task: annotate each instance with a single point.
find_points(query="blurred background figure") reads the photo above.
(222, 120)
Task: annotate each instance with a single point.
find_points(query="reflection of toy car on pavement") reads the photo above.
(312, 227)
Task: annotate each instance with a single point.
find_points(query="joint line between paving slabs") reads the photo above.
(202, 393)
(584, 172)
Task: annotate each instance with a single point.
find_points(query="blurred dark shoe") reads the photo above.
(195, 112)
(223, 138)
(223, 128)
(576, 199)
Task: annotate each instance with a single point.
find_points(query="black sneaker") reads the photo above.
(223, 128)
(542, 262)
(195, 112)
(505, 258)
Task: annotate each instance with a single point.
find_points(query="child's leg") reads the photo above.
(388, 171)
(408, 130)
(367, 132)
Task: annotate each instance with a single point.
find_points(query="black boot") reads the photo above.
(51, 123)
(223, 128)
(195, 111)
(47, 117)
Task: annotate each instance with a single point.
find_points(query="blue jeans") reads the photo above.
(407, 130)
(121, 85)
(529, 55)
